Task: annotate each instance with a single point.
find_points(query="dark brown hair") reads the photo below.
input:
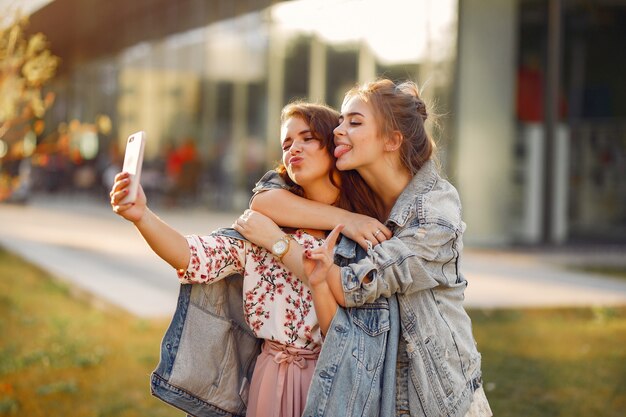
(399, 107)
(354, 194)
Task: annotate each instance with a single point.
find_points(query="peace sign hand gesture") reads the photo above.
(317, 262)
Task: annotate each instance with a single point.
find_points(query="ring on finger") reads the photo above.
(377, 232)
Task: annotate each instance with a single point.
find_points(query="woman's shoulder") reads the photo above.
(437, 201)
(270, 180)
(443, 203)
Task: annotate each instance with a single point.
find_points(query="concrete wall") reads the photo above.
(485, 113)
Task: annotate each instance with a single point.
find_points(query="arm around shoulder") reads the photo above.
(296, 211)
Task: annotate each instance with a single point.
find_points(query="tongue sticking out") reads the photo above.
(341, 150)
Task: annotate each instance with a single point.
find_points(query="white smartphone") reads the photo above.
(133, 159)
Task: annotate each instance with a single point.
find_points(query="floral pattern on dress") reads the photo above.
(277, 305)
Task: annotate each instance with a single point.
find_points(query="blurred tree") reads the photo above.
(26, 65)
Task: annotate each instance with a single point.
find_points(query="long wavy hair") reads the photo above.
(399, 107)
(354, 194)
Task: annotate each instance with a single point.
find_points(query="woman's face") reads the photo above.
(306, 160)
(357, 141)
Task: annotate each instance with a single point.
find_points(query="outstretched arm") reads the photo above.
(165, 241)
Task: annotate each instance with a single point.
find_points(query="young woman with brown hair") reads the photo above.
(290, 314)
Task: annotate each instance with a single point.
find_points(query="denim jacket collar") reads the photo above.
(406, 204)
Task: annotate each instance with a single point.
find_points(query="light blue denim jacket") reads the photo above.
(420, 268)
(208, 353)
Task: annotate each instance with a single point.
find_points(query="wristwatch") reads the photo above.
(281, 247)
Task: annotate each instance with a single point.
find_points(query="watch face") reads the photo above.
(280, 247)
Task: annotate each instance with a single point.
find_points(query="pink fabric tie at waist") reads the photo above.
(290, 354)
(285, 356)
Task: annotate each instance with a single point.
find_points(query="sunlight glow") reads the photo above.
(399, 31)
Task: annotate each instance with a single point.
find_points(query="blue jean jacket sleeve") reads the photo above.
(417, 258)
(270, 181)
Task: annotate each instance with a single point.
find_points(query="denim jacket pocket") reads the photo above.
(439, 366)
(372, 321)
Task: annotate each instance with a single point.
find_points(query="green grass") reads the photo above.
(618, 272)
(554, 362)
(60, 356)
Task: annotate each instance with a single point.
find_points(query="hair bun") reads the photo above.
(421, 108)
(411, 89)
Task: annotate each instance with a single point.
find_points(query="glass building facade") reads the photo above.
(210, 78)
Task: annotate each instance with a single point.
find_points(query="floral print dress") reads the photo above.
(277, 305)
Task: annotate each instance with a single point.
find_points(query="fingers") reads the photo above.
(324, 253)
(381, 234)
(385, 232)
(376, 237)
(119, 191)
(245, 216)
(122, 208)
(121, 183)
(331, 240)
(239, 224)
(120, 176)
(243, 224)
(117, 196)
(318, 254)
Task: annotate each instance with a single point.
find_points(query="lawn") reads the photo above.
(554, 362)
(61, 356)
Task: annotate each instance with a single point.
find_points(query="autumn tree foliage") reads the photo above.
(26, 65)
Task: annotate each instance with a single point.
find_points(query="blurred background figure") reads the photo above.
(183, 169)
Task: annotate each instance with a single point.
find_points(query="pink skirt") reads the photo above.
(280, 381)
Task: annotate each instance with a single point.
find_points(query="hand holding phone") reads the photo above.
(133, 160)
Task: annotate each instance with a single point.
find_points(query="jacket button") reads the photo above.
(168, 346)
(325, 375)
(340, 329)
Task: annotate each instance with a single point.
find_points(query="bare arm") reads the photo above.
(164, 240)
(297, 212)
(324, 304)
(300, 212)
(169, 244)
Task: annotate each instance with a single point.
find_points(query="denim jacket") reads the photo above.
(420, 268)
(208, 353)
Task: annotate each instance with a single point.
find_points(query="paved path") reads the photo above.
(81, 241)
